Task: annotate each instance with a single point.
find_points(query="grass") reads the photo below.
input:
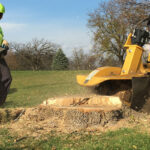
(123, 139)
(31, 88)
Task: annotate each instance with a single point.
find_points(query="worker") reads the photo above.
(146, 46)
(5, 76)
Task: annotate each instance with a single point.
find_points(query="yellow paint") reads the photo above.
(133, 60)
(99, 79)
(149, 58)
(128, 41)
(132, 67)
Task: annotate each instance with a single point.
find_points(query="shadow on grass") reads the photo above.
(8, 104)
(12, 90)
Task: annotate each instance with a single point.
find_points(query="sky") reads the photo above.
(63, 22)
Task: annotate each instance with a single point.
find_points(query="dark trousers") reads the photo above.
(5, 80)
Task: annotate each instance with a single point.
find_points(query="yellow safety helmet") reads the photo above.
(2, 8)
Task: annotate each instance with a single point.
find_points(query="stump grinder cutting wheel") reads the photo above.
(133, 77)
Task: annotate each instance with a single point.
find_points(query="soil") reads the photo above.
(43, 119)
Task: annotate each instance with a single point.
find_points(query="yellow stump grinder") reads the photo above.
(133, 77)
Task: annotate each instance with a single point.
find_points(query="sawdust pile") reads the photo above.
(44, 118)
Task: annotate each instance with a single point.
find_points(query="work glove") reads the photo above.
(5, 47)
(5, 43)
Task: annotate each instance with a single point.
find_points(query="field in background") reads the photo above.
(31, 88)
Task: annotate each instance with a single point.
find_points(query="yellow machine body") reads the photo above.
(132, 67)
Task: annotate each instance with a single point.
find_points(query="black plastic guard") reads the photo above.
(140, 87)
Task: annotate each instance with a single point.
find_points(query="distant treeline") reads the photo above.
(44, 55)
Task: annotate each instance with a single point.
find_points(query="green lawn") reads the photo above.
(31, 88)
(123, 139)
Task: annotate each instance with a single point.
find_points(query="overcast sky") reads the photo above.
(60, 21)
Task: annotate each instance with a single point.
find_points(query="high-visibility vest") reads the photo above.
(1, 36)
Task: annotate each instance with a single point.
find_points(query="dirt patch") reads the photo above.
(45, 118)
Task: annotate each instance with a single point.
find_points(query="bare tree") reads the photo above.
(111, 22)
(35, 55)
(82, 61)
(11, 60)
